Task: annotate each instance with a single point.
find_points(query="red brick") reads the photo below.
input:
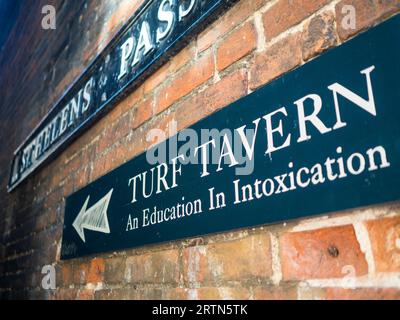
(89, 153)
(96, 271)
(109, 161)
(227, 90)
(87, 137)
(114, 270)
(186, 55)
(156, 78)
(98, 168)
(321, 253)
(219, 293)
(187, 80)
(319, 35)
(124, 106)
(72, 165)
(115, 132)
(81, 270)
(239, 13)
(147, 294)
(56, 175)
(46, 219)
(236, 46)
(283, 292)
(366, 14)
(68, 78)
(384, 235)
(81, 178)
(127, 149)
(141, 113)
(85, 294)
(154, 267)
(65, 275)
(65, 294)
(116, 294)
(363, 294)
(311, 293)
(68, 186)
(164, 124)
(287, 13)
(243, 259)
(276, 60)
(124, 10)
(175, 294)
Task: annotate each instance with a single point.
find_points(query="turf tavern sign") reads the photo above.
(322, 138)
(159, 29)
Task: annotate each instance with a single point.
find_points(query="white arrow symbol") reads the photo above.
(95, 218)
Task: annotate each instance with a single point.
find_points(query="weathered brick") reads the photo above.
(115, 132)
(49, 236)
(129, 294)
(184, 82)
(72, 165)
(67, 187)
(384, 235)
(65, 274)
(109, 161)
(127, 149)
(45, 220)
(279, 58)
(321, 253)
(114, 270)
(287, 13)
(319, 35)
(89, 272)
(311, 293)
(96, 271)
(85, 294)
(141, 113)
(124, 106)
(363, 294)
(37, 294)
(283, 292)
(236, 45)
(157, 78)
(367, 14)
(122, 12)
(227, 90)
(81, 178)
(115, 294)
(65, 294)
(89, 153)
(247, 258)
(81, 270)
(219, 293)
(155, 267)
(185, 56)
(53, 199)
(175, 294)
(239, 13)
(98, 168)
(165, 124)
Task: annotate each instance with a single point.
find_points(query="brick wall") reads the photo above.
(351, 254)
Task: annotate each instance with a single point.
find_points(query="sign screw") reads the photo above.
(333, 251)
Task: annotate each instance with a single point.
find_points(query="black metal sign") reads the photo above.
(158, 29)
(323, 138)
